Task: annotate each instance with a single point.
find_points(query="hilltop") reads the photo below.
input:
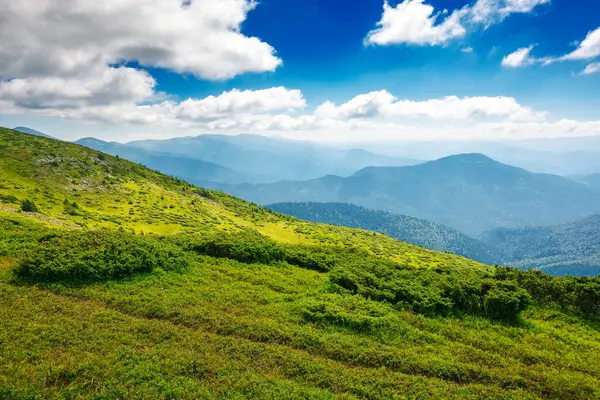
(117, 281)
(468, 192)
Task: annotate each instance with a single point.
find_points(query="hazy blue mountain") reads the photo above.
(30, 131)
(275, 159)
(565, 156)
(468, 192)
(413, 230)
(592, 180)
(572, 248)
(191, 170)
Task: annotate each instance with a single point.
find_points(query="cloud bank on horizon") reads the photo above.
(185, 67)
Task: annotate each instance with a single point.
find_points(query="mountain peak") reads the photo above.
(24, 129)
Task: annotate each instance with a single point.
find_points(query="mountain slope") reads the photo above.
(30, 131)
(593, 180)
(191, 170)
(219, 298)
(468, 192)
(408, 229)
(567, 249)
(275, 159)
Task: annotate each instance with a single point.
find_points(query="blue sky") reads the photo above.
(278, 62)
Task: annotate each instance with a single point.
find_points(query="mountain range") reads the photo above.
(469, 192)
(273, 159)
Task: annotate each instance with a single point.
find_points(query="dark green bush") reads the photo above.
(98, 255)
(28, 205)
(506, 301)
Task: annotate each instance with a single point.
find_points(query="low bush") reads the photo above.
(28, 205)
(98, 255)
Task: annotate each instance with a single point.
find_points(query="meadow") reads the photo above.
(126, 283)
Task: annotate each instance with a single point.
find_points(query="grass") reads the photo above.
(220, 328)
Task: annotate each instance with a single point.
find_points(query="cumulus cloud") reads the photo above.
(414, 22)
(77, 53)
(74, 37)
(519, 58)
(108, 86)
(383, 104)
(247, 101)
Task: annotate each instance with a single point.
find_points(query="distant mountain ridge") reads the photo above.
(408, 229)
(276, 159)
(468, 192)
(192, 170)
(24, 129)
(572, 248)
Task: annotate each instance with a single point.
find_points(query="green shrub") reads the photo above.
(28, 205)
(98, 255)
(8, 199)
(506, 301)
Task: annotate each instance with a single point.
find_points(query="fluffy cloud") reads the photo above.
(237, 102)
(519, 58)
(414, 22)
(66, 54)
(592, 68)
(109, 85)
(588, 48)
(383, 104)
(73, 37)
(417, 23)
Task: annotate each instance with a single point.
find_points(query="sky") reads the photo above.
(323, 70)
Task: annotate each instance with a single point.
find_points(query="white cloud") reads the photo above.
(66, 54)
(74, 37)
(592, 68)
(467, 49)
(383, 104)
(490, 12)
(519, 58)
(247, 101)
(414, 22)
(109, 85)
(588, 48)
(362, 106)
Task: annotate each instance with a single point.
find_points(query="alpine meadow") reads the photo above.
(299, 199)
(125, 282)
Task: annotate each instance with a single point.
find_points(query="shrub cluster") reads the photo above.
(427, 291)
(97, 255)
(580, 295)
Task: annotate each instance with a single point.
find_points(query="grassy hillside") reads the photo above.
(567, 249)
(412, 230)
(468, 192)
(220, 299)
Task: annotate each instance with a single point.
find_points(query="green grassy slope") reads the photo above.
(238, 302)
